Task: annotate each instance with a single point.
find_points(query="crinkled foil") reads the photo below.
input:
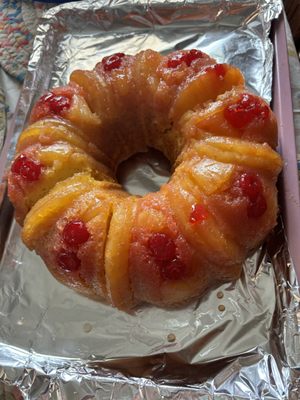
(241, 340)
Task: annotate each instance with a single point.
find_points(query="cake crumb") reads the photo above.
(87, 327)
(171, 337)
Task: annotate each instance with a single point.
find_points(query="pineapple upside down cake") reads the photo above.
(169, 246)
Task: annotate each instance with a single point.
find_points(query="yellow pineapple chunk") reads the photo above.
(117, 254)
(210, 176)
(62, 160)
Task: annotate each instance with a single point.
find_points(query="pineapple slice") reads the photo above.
(46, 211)
(93, 84)
(127, 126)
(219, 187)
(94, 209)
(231, 206)
(236, 151)
(80, 264)
(73, 246)
(160, 257)
(165, 269)
(69, 103)
(174, 71)
(82, 117)
(56, 162)
(193, 216)
(117, 255)
(152, 219)
(68, 228)
(253, 119)
(49, 131)
(209, 175)
(205, 86)
(110, 139)
(146, 82)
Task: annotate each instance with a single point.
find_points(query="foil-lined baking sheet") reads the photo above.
(239, 341)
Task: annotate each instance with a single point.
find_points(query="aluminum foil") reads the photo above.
(241, 340)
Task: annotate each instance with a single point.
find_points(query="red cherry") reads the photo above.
(54, 104)
(257, 207)
(68, 260)
(187, 57)
(112, 62)
(175, 61)
(58, 104)
(218, 69)
(28, 169)
(198, 214)
(162, 247)
(75, 233)
(251, 185)
(49, 105)
(248, 108)
(173, 270)
(252, 188)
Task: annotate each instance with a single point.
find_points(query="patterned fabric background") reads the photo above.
(18, 21)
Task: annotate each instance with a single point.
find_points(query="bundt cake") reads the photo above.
(169, 246)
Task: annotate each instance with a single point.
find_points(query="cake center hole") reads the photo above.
(144, 172)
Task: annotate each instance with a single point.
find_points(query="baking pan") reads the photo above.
(56, 344)
(283, 108)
